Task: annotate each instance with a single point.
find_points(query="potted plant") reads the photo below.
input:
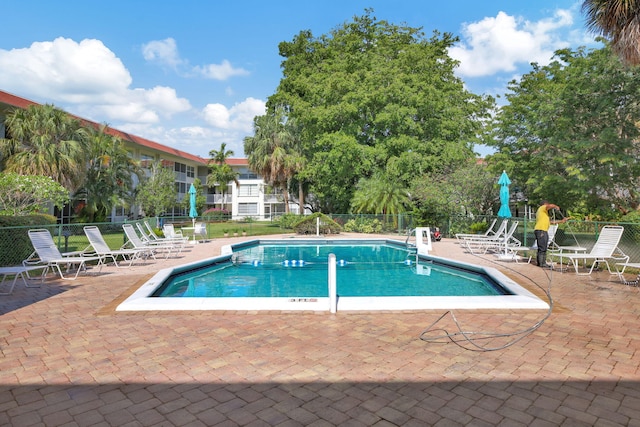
(226, 232)
(244, 232)
(235, 232)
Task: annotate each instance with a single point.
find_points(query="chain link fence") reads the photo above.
(15, 245)
(571, 233)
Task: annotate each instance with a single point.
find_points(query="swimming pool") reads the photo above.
(248, 267)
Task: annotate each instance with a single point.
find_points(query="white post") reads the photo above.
(333, 287)
(318, 226)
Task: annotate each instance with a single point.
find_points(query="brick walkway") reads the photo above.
(68, 359)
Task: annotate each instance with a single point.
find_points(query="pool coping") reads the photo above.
(139, 300)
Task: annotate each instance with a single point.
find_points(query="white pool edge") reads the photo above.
(140, 300)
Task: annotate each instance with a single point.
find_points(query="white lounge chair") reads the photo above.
(134, 240)
(100, 247)
(48, 256)
(605, 249)
(17, 271)
(498, 242)
(464, 239)
(145, 229)
(620, 273)
(490, 231)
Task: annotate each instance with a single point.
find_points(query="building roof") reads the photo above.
(11, 100)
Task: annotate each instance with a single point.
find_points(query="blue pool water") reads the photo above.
(301, 271)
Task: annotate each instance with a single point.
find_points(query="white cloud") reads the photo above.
(502, 43)
(165, 52)
(221, 71)
(239, 117)
(89, 76)
(162, 51)
(64, 69)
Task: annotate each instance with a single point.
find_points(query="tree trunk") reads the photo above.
(301, 198)
(285, 195)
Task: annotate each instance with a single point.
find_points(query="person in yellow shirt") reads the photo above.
(541, 231)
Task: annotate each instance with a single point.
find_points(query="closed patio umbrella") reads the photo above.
(504, 211)
(193, 212)
(504, 182)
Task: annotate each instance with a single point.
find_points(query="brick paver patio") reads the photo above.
(68, 359)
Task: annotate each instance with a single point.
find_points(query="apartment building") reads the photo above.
(250, 198)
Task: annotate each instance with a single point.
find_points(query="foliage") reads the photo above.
(373, 96)
(44, 140)
(157, 194)
(201, 198)
(620, 22)
(379, 195)
(309, 225)
(570, 127)
(274, 152)
(25, 194)
(468, 190)
(216, 214)
(478, 227)
(220, 172)
(288, 220)
(363, 225)
(37, 219)
(18, 238)
(109, 178)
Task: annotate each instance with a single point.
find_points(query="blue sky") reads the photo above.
(192, 74)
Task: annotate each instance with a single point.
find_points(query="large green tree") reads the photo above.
(618, 21)
(570, 132)
(386, 90)
(44, 140)
(467, 190)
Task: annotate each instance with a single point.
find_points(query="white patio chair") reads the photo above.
(605, 249)
(201, 230)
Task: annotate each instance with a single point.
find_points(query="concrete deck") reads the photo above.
(68, 359)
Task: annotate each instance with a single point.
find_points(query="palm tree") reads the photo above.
(44, 140)
(379, 195)
(220, 156)
(110, 172)
(619, 21)
(220, 172)
(275, 152)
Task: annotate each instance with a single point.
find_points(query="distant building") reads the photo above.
(251, 198)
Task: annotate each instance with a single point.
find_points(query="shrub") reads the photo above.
(364, 225)
(478, 227)
(309, 225)
(288, 220)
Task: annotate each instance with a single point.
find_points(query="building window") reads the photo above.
(247, 209)
(248, 190)
(191, 172)
(146, 161)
